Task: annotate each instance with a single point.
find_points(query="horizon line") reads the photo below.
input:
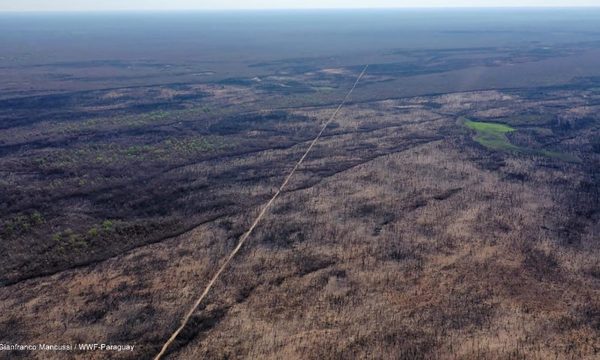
(301, 9)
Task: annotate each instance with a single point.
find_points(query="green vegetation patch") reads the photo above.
(104, 154)
(69, 239)
(492, 135)
(20, 225)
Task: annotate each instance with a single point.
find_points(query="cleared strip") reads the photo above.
(262, 213)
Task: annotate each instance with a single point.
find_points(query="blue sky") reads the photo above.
(60, 5)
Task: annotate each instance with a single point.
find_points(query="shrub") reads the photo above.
(107, 225)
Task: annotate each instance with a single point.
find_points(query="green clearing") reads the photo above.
(493, 136)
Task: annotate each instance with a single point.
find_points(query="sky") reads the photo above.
(104, 5)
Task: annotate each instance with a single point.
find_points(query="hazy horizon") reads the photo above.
(187, 5)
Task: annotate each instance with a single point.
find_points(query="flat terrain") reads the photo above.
(450, 211)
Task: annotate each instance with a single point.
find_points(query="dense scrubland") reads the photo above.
(403, 235)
